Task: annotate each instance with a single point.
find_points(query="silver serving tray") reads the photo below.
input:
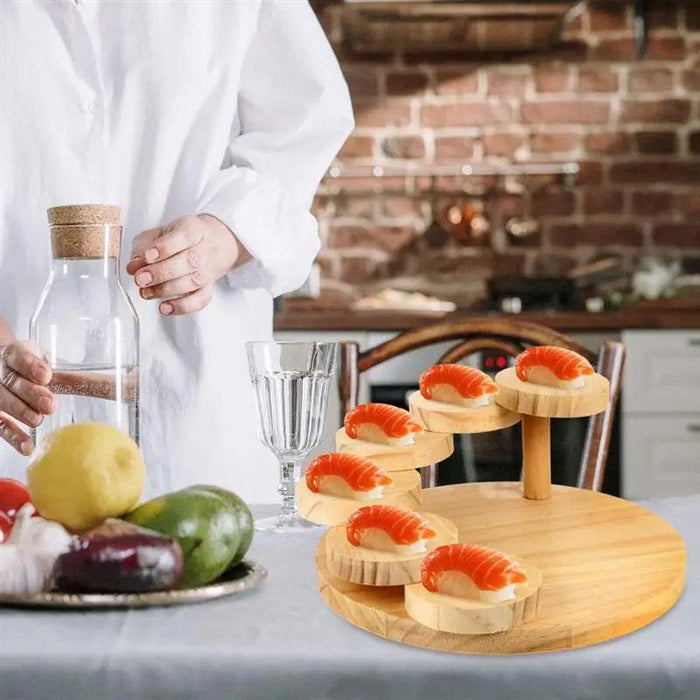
(245, 576)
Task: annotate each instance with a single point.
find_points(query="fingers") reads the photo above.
(175, 288)
(189, 303)
(18, 356)
(188, 262)
(180, 235)
(139, 245)
(34, 395)
(14, 435)
(15, 407)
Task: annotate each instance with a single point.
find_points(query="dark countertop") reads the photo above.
(674, 314)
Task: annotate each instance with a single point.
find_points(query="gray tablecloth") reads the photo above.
(280, 641)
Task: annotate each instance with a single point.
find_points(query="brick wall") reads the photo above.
(632, 125)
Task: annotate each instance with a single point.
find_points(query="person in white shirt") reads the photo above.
(211, 124)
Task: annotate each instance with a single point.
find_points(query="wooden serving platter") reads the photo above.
(332, 510)
(429, 448)
(549, 401)
(371, 567)
(449, 418)
(608, 568)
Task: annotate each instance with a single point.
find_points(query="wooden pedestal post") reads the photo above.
(537, 469)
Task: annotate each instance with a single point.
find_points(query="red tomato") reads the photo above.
(5, 527)
(13, 495)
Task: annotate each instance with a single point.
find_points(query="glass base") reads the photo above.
(285, 523)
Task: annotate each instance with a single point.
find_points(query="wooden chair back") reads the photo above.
(511, 337)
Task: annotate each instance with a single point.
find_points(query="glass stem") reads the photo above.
(288, 470)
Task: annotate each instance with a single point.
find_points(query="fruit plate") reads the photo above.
(245, 576)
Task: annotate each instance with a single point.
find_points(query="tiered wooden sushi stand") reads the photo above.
(599, 567)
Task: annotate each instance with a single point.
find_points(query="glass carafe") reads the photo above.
(85, 325)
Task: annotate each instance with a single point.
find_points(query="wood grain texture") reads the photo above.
(609, 567)
(446, 613)
(331, 510)
(428, 448)
(552, 402)
(537, 457)
(447, 418)
(371, 567)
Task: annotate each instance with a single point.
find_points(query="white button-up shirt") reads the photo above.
(233, 108)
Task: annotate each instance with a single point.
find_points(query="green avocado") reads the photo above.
(245, 518)
(204, 524)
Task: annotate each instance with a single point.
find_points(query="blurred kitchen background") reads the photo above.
(539, 158)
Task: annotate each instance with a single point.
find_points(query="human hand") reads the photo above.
(181, 262)
(24, 395)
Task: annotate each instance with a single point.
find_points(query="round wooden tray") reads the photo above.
(468, 616)
(549, 401)
(429, 448)
(608, 566)
(332, 510)
(449, 418)
(246, 575)
(371, 567)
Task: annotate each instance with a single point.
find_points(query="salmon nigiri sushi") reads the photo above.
(553, 366)
(347, 476)
(457, 384)
(472, 571)
(389, 529)
(381, 423)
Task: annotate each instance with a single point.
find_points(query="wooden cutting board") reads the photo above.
(608, 568)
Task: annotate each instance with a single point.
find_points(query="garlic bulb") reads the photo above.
(28, 556)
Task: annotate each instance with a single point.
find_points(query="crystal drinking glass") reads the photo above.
(291, 383)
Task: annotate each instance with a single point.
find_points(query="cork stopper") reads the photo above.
(85, 231)
(76, 214)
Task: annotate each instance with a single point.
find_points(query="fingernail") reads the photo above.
(147, 293)
(151, 255)
(45, 404)
(31, 418)
(26, 447)
(144, 279)
(166, 309)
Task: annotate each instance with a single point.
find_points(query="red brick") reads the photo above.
(457, 82)
(663, 15)
(385, 114)
(570, 50)
(406, 83)
(597, 79)
(590, 173)
(549, 142)
(680, 172)
(357, 147)
(677, 235)
(573, 112)
(354, 206)
(327, 261)
(363, 81)
(511, 204)
(609, 16)
(691, 78)
(649, 79)
(651, 203)
(665, 111)
(361, 265)
(400, 207)
(391, 239)
(465, 114)
(615, 50)
(549, 264)
(503, 144)
(506, 83)
(692, 17)
(403, 147)
(596, 234)
(656, 141)
(665, 48)
(553, 202)
(552, 79)
(603, 202)
(608, 142)
(689, 203)
(447, 147)
(694, 141)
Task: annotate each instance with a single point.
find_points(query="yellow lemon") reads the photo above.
(84, 473)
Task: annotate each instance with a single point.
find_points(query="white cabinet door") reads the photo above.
(662, 373)
(661, 455)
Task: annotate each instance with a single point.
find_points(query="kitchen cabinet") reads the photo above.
(661, 414)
